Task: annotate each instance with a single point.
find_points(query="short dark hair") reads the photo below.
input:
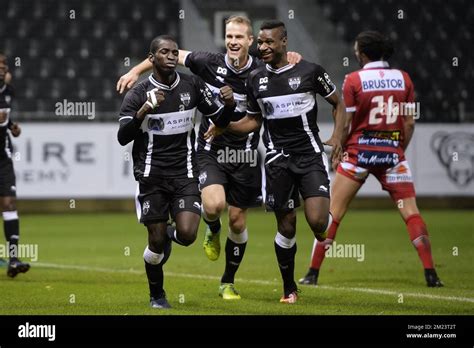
(274, 23)
(374, 45)
(157, 40)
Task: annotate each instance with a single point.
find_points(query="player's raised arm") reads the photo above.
(127, 80)
(132, 113)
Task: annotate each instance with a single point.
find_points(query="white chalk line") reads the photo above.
(260, 282)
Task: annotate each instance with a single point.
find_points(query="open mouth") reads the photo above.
(234, 49)
(265, 55)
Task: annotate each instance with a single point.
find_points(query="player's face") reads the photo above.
(237, 40)
(271, 45)
(3, 71)
(166, 56)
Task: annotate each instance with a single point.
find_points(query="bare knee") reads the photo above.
(8, 204)
(156, 237)
(237, 220)
(186, 235)
(287, 224)
(318, 223)
(213, 207)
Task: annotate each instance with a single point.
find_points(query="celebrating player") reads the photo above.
(158, 116)
(11, 225)
(238, 183)
(379, 125)
(283, 96)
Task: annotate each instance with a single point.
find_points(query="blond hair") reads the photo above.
(241, 20)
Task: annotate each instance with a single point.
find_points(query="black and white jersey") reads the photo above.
(164, 146)
(6, 96)
(214, 69)
(286, 99)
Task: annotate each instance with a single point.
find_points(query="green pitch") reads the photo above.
(92, 264)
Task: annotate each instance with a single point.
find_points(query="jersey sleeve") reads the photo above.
(348, 93)
(252, 104)
(132, 102)
(322, 83)
(207, 104)
(197, 61)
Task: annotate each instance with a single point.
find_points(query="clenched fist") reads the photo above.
(227, 96)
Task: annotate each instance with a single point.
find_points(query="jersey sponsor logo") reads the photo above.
(262, 84)
(185, 98)
(392, 135)
(456, 153)
(294, 82)
(377, 142)
(169, 123)
(373, 80)
(146, 207)
(221, 70)
(156, 124)
(400, 173)
(285, 106)
(377, 158)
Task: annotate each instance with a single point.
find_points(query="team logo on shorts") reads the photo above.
(146, 207)
(156, 124)
(202, 178)
(270, 200)
(185, 98)
(294, 82)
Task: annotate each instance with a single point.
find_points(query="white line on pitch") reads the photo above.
(256, 281)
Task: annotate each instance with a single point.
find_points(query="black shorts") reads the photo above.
(7, 178)
(157, 200)
(288, 176)
(242, 180)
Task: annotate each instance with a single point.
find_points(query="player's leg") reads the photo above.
(243, 191)
(155, 256)
(234, 251)
(282, 197)
(152, 203)
(185, 211)
(402, 191)
(11, 223)
(213, 203)
(343, 190)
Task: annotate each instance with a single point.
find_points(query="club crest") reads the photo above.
(294, 82)
(185, 98)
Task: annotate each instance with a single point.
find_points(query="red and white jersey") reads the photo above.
(380, 98)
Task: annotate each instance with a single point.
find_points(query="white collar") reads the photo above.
(376, 64)
(279, 70)
(241, 70)
(162, 86)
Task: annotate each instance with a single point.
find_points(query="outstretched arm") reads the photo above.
(127, 80)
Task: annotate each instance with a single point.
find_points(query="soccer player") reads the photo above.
(237, 183)
(283, 97)
(379, 125)
(158, 116)
(11, 224)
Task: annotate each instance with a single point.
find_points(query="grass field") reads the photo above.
(83, 268)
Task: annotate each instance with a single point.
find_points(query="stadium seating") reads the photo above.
(77, 58)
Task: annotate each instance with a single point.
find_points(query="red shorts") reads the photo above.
(396, 180)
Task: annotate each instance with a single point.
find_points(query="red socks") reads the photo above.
(319, 248)
(419, 237)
